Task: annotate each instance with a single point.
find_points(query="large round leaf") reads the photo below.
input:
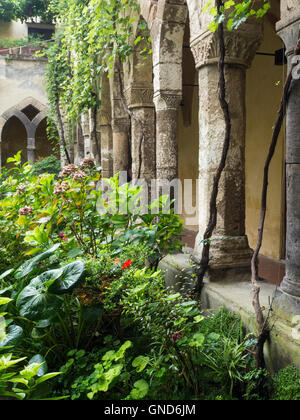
(30, 265)
(71, 275)
(35, 302)
(14, 336)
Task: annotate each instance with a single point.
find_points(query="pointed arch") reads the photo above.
(38, 112)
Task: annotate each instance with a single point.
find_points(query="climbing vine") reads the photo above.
(234, 13)
(93, 36)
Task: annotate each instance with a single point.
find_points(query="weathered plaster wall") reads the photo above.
(22, 81)
(19, 79)
(262, 101)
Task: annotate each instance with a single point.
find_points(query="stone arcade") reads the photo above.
(174, 94)
(167, 94)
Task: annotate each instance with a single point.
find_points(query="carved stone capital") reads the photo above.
(139, 97)
(289, 32)
(241, 46)
(167, 100)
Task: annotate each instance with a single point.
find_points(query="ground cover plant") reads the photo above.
(82, 298)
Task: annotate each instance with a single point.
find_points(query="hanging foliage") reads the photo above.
(92, 35)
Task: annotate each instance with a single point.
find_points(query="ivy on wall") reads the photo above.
(93, 35)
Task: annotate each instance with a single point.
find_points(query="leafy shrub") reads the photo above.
(74, 211)
(108, 369)
(42, 308)
(19, 381)
(50, 165)
(286, 384)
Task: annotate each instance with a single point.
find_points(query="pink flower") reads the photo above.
(61, 235)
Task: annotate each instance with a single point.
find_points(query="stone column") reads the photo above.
(120, 130)
(78, 142)
(120, 127)
(95, 138)
(289, 293)
(166, 105)
(104, 130)
(167, 34)
(31, 149)
(85, 124)
(229, 247)
(140, 103)
(105, 134)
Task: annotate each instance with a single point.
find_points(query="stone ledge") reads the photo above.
(281, 350)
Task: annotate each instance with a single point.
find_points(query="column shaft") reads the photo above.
(291, 282)
(229, 247)
(144, 152)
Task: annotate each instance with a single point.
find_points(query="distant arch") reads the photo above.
(30, 112)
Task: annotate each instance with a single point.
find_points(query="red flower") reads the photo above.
(61, 235)
(126, 264)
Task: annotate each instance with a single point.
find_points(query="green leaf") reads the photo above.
(7, 361)
(14, 336)
(140, 363)
(71, 275)
(120, 353)
(39, 359)
(46, 377)
(4, 300)
(31, 370)
(29, 265)
(198, 318)
(228, 4)
(140, 390)
(36, 303)
(74, 253)
(197, 340)
(6, 273)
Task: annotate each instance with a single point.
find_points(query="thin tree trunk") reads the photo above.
(204, 263)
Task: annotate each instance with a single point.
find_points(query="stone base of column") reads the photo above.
(230, 258)
(288, 308)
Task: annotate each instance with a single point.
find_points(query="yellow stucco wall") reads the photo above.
(188, 147)
(263, 97)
